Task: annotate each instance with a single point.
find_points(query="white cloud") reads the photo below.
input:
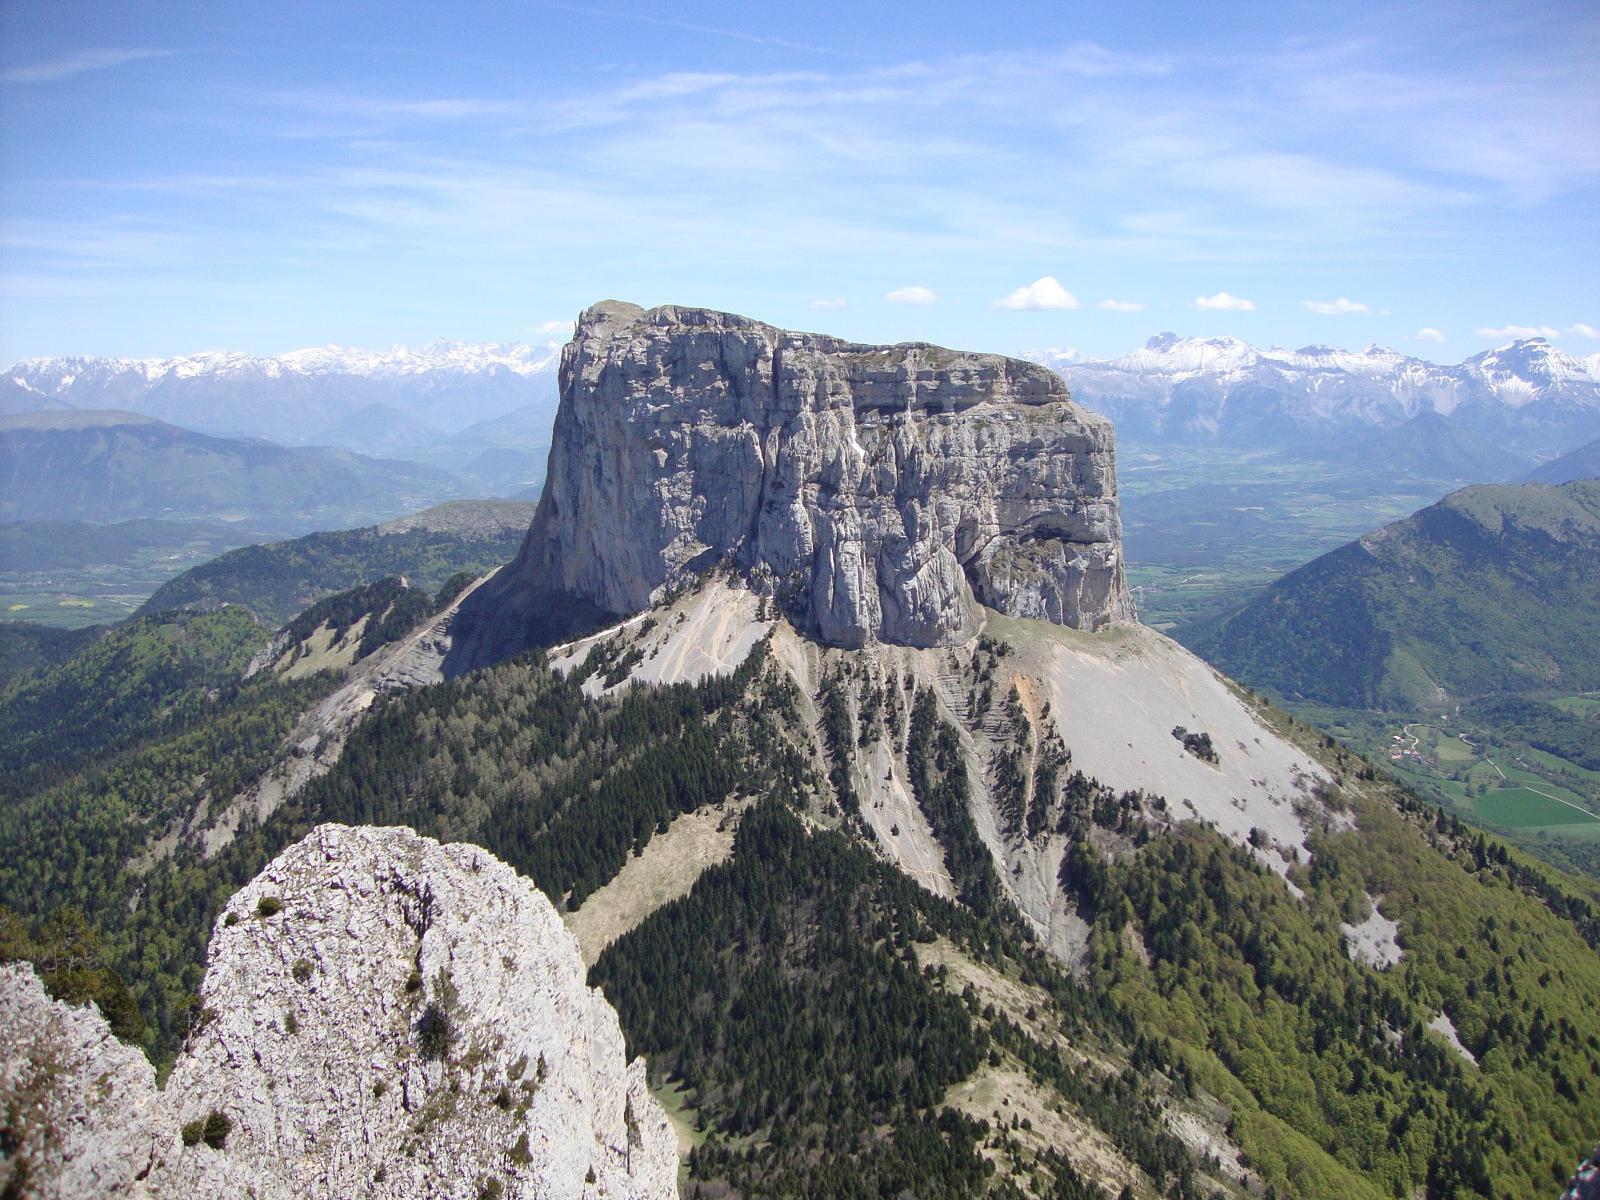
(77, 64)
(1044, 293)
(1429, 334)
(1123, 306)
(1584, 331)
(1223, 302)
(556, 329)
(1341, 307)
(912, 295)
(1519, 331)
(829, 305)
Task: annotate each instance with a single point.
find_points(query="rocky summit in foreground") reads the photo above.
(382, 1016)
(877, 492)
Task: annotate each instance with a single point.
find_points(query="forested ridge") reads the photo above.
(1544, 727)
(277, 580)
(27, 647)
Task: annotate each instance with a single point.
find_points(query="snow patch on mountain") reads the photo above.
(365, 400)
(523, 358)
(1527, 392)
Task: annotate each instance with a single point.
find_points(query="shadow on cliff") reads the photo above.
(508, 615)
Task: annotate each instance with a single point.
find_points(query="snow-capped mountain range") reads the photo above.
(1528, 394)
(374, 401)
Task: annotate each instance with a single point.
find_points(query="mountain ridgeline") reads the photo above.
(911, 864)
(1527, 396)
(276, 580)
(113, 466)
(1494, 589)
(377, 403)
(1582, 463)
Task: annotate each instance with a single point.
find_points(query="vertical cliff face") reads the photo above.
(876, 491)
(382, 1016)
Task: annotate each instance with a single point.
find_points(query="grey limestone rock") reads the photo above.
(877, 491)
(81, 1109)
(382, 1016)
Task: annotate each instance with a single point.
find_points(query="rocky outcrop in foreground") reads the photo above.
(1585, 1183)
(875, 491)
(382, 1016)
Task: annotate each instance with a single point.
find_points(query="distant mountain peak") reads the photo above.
(1534, 358)
(1527, 394)
(364, 400)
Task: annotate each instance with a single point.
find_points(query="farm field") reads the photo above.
(1523, 808)
(1460, 778)
(69, 574)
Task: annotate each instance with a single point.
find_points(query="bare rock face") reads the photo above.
(875, 490)
(81, 1112)
(382, 1016)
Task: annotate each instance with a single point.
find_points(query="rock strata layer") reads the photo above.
(381, 1016)
(876, 491)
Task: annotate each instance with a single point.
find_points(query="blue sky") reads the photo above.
(177, 177)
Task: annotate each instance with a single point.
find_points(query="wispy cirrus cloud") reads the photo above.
(719, 31)
(1518, 331)
(808, 141)
(1577, 329)
(1342, 307)
(1164, 172)
(1533, 134)
(79, 63)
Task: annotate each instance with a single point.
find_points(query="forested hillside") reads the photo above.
(28, 647)
(1493, 589)
(279, 579)
(149, 674)
(824, 1026)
